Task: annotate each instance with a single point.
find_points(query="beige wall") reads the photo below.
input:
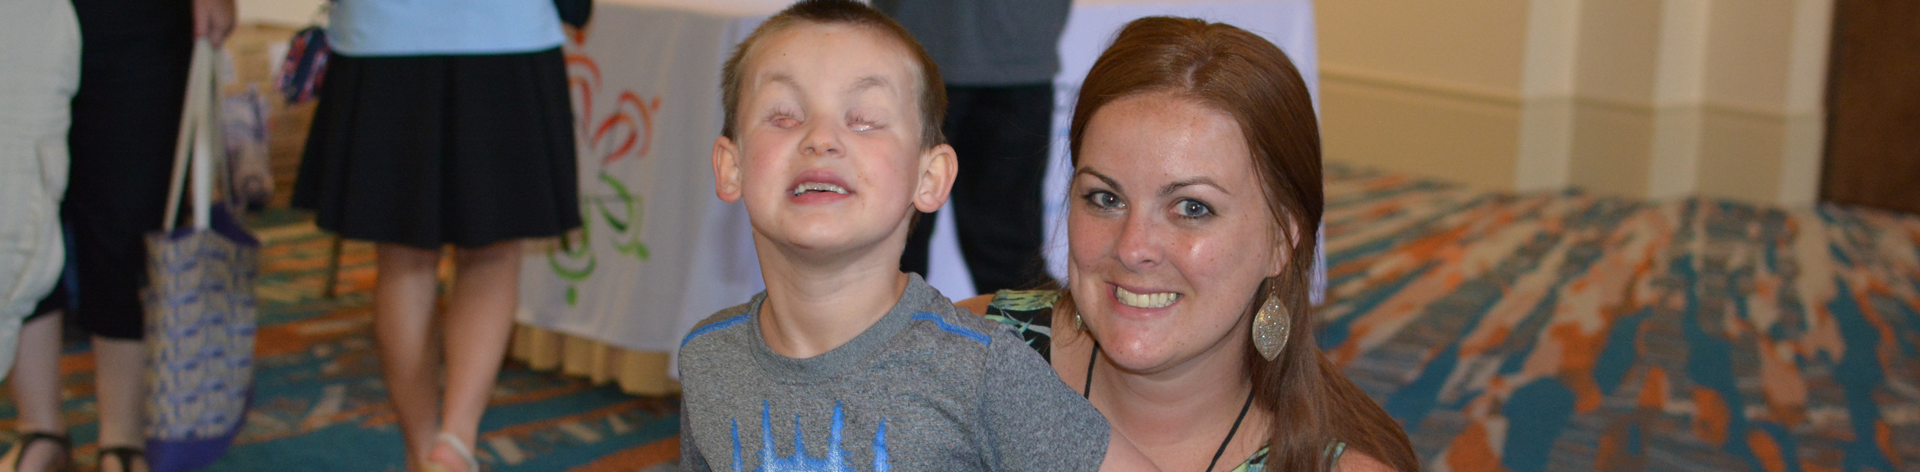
(295, 13)
(1406, 87)
(1472, 44)
(1465, 138)
(1645, 98)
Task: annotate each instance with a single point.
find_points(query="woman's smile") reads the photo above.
(1144, 300)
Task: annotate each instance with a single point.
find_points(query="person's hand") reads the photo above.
(213, 19)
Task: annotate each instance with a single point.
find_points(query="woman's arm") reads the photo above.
(213, 19)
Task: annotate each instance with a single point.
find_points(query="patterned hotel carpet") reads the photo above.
(1567, 332)
(1526, 332)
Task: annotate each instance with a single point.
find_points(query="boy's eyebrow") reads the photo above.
(871, 81)
(1103, 178)
(782, 78)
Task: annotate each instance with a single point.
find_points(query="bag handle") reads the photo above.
(195, 146)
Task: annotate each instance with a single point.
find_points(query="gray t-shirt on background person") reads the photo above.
(986, 42)
(928, 387)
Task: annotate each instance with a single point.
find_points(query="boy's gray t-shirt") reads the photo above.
(928, 387)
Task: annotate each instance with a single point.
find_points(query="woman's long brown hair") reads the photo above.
(1231, 70)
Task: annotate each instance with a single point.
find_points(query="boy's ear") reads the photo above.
(726, 169)
(938, 166)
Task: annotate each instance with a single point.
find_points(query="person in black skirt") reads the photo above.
(126, 116)
(443, 122)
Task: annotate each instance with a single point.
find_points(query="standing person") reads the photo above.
(998, 58)
(443, 122)
(40, 44)
(125, 118)
(1196, 190)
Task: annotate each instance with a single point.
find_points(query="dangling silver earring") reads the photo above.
(1270, 328)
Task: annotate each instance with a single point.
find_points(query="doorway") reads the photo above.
(1873, 103)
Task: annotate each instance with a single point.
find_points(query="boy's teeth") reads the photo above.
(1151, 300)
(818, 187)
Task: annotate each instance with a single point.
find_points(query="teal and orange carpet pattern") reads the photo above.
(1522, 332)
(319, 404)
(1559, 331)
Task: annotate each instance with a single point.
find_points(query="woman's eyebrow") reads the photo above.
(1103, 178)
(1176, 186)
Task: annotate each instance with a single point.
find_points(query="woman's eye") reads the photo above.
(1192, 209)
(1102, 199)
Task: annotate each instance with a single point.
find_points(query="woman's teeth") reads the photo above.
(818, 187)
(1151, 300)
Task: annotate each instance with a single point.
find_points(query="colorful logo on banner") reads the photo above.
(610, 207)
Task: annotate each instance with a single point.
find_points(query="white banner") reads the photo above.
(659, 250)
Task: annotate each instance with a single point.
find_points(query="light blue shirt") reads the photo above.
(437, 27)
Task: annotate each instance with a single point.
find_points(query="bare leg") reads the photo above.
(479, 320)
(36, 391)
(120, 376)
(403, 299)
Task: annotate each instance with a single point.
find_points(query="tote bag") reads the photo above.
(200, 304)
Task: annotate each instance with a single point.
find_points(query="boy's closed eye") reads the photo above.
(783, 118)
(860, 122)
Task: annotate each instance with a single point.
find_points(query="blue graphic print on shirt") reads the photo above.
(835, 461)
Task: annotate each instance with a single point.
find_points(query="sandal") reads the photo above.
(61, 462)
(459, 447)
(126, 454)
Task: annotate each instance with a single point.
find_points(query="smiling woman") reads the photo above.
(1186, 320)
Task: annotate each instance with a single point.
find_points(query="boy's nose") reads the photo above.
(820, 141)
(821, 148)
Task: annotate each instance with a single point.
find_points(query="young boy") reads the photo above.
(832, 139)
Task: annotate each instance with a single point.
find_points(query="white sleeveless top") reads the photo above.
(442, 27)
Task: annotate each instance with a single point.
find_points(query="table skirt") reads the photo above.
(637, 372)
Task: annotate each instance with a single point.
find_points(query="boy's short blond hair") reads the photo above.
(933, 93)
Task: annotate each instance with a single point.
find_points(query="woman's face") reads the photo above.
(1170, 233)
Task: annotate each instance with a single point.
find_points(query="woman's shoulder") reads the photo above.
(1029, 313)
(1021, 309)
(1255, 463)
(1025, 300)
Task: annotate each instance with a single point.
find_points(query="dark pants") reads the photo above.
(126, 116)
(1001, 136)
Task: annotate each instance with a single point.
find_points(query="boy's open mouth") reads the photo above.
(811, 187)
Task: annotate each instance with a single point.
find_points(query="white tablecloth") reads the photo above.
(662, 252)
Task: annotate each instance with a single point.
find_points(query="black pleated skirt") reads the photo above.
(426, 151)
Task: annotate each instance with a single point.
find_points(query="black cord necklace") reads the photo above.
(1087, 393)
